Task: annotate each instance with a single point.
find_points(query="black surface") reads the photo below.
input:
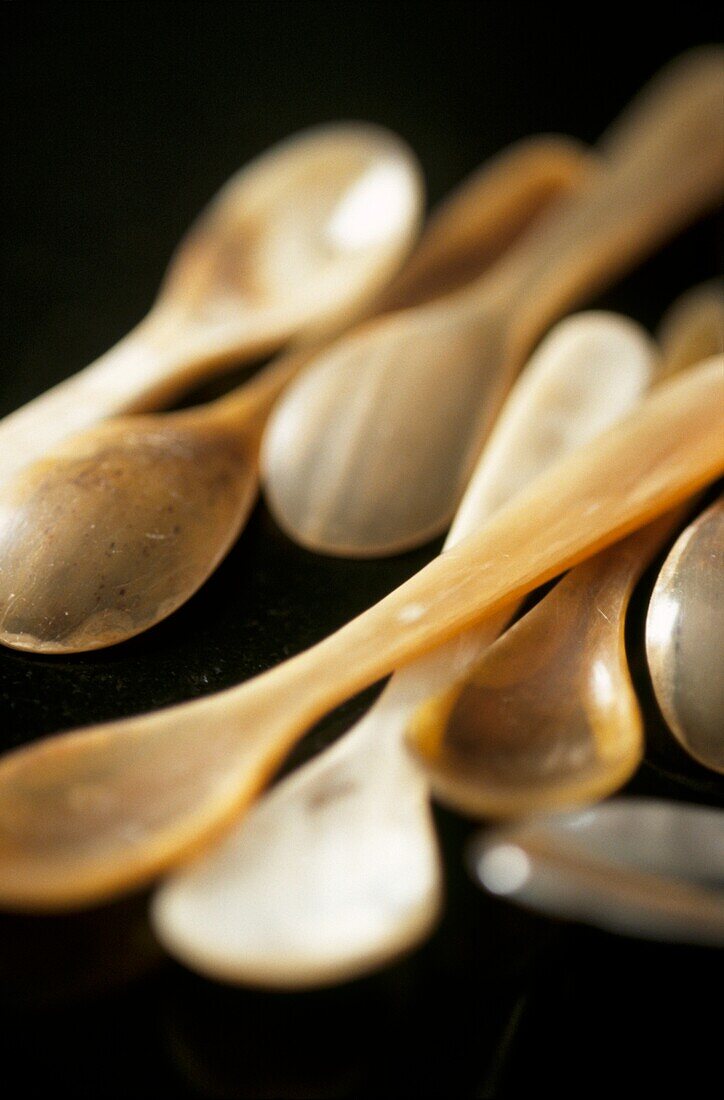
(119, 122)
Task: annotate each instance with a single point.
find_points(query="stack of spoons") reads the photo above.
(97, 812)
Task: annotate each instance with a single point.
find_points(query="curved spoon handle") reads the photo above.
(665, 168)
(152, 364)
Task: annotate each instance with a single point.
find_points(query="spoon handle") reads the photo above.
(148, 367)
(665, 168)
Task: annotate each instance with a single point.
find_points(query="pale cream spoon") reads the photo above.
(644, 867)
(114, 529)
(548, 717)
(336, 870)
(685, 638)
(292, 247)
(407, 401)
(92, 813)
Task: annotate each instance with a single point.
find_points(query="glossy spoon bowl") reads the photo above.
(639, 866)
(295, 245)
(685, 638)
(114, 530)
(92, 813)
(408, 400)
(548, 718)
(336, 870)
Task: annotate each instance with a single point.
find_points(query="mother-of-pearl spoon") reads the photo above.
(86, 815)
(408, 400)
(294, 245)
(548, 717)
(642, 866)
(113, 530)
(336, 870)
(685, 638)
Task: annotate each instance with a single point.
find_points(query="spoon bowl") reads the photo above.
(118, 527)
(684, 632)
(639, 866)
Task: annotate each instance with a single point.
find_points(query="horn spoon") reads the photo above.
(294, 245)
(408, 400)
(549, 717)
(642, 866)
(112, 531)
(336, 870)
(89, 814)
(684, 636)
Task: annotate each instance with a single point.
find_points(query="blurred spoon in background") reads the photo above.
(116, 528)
(548, 718)
(336, 870)
(685, 638)
(370, 449)
(644, 867)
(294, 246)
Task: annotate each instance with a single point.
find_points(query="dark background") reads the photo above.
(119, 122)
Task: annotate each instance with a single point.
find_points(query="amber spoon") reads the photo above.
(408, 400)
(549, 717)
(294, 245)
(641, 866)
(116, 528)
(336, 870)
(685, 636)
(692, 328)
(89, 814)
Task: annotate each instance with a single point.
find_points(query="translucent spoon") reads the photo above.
(641, 866)
(408, 400)
(336, 870)
(685, 638)
(98, 811)
(549, 718)
(113, 530)
(294, 245)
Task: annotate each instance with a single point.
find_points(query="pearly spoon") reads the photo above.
(294, 245)
(113, 530)
(685, 638)
(336, 870)
(408, 400)
(98, 811)
(642, 866)
(548, 717)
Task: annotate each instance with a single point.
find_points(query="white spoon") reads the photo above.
(644, 867)
(336, 870)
